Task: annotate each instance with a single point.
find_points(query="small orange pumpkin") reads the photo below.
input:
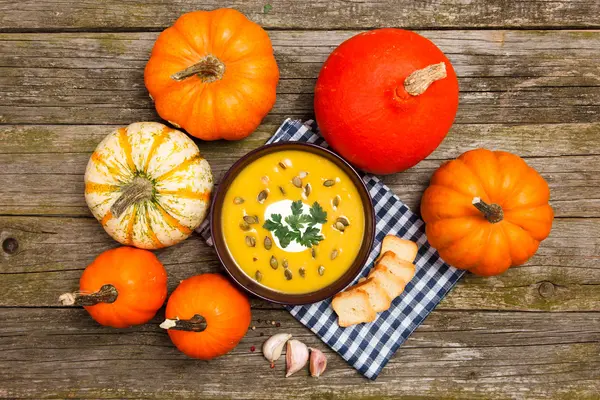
(486, 211)
(207, 316)
(122, 287)
(213, 73)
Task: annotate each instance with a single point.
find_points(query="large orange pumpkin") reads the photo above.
(385, 99)
(213, 73)
(486, 211)
(207, 316)
(122, 287)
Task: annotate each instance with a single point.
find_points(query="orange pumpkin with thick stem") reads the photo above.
(385, 99)
(122, 287)
(486, 211)
(207, 316)
(213, 73)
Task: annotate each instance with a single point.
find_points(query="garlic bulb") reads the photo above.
(318, 362)
(296, 357)
(274, 345)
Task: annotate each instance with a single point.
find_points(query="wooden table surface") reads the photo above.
(72, 71)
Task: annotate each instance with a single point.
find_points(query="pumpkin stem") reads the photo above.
(106, 294)
(139, 189)
(208, 69)
(492, 212)
(418, 82)
(195, 324)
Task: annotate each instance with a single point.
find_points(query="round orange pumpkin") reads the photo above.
(213, 74)
(207, 316)
(385, 99)
(486, 211)
(122, 287)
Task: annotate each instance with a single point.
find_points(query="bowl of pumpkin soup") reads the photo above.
(292, 223)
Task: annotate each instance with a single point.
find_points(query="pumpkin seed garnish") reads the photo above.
(334, 254)
(288, 274)
(343, 220)
(313, 252)
(254, 259)
(336, 201)
(265, 180)
(302, 272)
(262, 196)
(250, 241)
(329, 183)
(273, 262)
(251, 219)
(258, 276)
(238, 200)
(339, 226)
(302, 174)
(321, 270)
(244, 226)
(296, 181)
(282, 165)
(282, 190)
(268, 243)
(284, 263)
(307, 189)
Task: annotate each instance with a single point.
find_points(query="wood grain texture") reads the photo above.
(506, 77)
(562, 276)
(532, 333)
(453, 355)
(293, 14)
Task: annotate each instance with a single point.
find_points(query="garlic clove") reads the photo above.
(296, 357)
(273, 346)
(318, 362)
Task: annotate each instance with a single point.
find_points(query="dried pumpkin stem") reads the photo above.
(139, 189)
(418, 82)
(195, 324)
(492, 212)
(106, 294)
(208, 69)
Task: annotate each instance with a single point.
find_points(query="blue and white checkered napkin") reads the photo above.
(368, 347)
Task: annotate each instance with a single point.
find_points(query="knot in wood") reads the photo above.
(546, 289)
(10, 245)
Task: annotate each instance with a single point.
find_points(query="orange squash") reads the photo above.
(486, 211)
(122, 287)
(213, 73)
(207, 316)
(385, 99)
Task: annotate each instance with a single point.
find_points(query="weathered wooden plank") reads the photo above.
(452, 355)
(312, 14)
(297, 51)
(87, 84)
(554, 105)
(563, 276)
(96, 78)
(541, 140)
(39, 179)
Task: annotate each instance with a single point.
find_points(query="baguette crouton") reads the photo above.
(401, 268)
(392, 285)
(378, 297)
(353, 307)
(404, 249)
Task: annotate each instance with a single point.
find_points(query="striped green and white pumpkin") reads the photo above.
(148, 185)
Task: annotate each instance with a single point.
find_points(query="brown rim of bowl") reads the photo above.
(250, 284)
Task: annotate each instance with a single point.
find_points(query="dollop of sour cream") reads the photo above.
(284, 208)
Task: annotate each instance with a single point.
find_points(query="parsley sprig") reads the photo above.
(296, 223)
